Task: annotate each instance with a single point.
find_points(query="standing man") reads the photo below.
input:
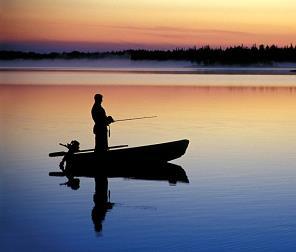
(101, 123)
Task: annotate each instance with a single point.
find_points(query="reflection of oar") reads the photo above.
(62, 153)
(135, 118)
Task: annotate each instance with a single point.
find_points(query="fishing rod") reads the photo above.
(134, 118)
(62, 153)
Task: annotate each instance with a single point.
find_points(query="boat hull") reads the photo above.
(157, 153)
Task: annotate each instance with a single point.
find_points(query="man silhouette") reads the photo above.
(101, 123)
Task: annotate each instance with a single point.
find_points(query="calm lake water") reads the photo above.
(241, 162)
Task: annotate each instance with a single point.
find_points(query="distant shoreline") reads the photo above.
(206, 56)
(262, 60)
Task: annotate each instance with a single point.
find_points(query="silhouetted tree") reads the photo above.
(203, 55)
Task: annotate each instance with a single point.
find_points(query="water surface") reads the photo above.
(240, 163)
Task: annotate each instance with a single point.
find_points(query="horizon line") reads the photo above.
(139, 48)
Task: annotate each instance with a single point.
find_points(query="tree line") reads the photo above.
(203, 55)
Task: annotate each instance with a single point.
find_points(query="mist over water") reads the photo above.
(115, 62)
(240, 162)
(124, 63)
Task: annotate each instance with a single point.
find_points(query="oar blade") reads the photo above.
(57, 174)
(57, 154)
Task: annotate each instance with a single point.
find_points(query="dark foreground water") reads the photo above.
(241, 166)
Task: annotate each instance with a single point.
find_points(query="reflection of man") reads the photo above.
(101, 200)
(101, 122)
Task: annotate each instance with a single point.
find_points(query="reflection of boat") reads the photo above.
(157, 171)
(143, 171)
(163, 152)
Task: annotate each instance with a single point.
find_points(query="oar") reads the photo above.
(62, 153)
(134, 118)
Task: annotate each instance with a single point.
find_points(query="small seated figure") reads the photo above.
(72, 148)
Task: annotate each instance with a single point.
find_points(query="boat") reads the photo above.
(154, 172)
(156, 153)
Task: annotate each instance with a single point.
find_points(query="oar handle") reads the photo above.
(62, 153)
(117, 146)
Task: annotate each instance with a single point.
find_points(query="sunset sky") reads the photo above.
(89, 25)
